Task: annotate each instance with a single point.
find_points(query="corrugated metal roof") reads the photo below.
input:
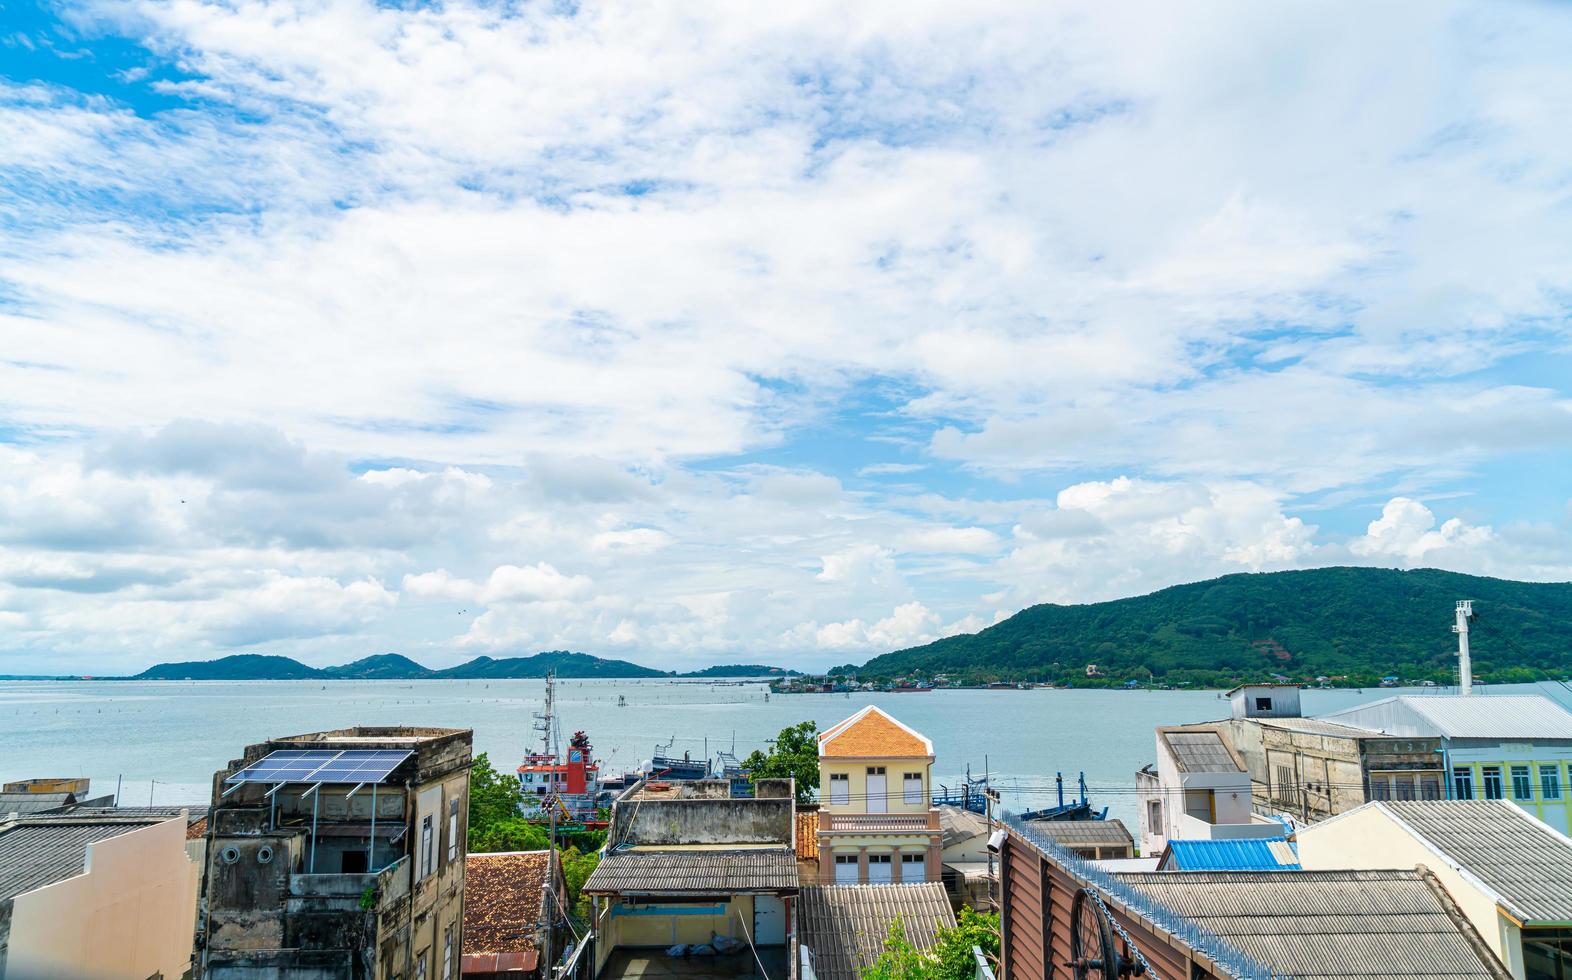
(1082, 833)
(1315, 726)
(1526, 863)
(957, 824)
(1305, 924)
(844, 926)
(1488, 716)
(1266, 854)
(1201, 752)
(33, 855)
(694, 873)
(29, 803)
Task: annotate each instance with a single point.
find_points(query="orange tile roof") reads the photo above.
(872, 734)
(808, 835)
(502, 896)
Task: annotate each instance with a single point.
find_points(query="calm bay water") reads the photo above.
(166, 738)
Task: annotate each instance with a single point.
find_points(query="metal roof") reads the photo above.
(677, 872)
(1203, 751)
(1523, 861)
(322, 766)
(1082, 833)
(1485, 716)
(956, 825)
(844, 926)
(1304, 924)
(1316, 726)
(35, 854)
(26, 803)
(1264, 854)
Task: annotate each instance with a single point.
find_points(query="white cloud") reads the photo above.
(1406, 531)
(907, 625)
(637, 541)
(533, 583)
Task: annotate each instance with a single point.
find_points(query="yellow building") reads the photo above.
(877, 824)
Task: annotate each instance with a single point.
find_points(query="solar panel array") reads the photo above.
(322, 766)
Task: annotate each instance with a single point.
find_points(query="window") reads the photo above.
(875, 770)
(840, 788)
(1287, 792)
(1430, 787)
(1463, 783)
(453, 838)
(1263, 704)
(1492, 780)
(447, 953)
(1380, 788)
(846, 869)
(914, 867)
(879, 869)
(1404, 786)
(420, 964)
(427, 857)
(1522, 785)
(911, 787)
(1154, 816)
(1549, 783)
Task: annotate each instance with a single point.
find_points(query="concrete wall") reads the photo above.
(1369, 840)
(705, 821)
(662, 924)
(1285, 702)
(130, 915)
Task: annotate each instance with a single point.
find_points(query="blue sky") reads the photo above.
(702, 333)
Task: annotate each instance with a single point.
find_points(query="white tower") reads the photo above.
(1465, 667)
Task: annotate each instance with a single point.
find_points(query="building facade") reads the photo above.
(688, 864)
(1492, 747)
(877, 823)
(339, 855)
(1198, 789)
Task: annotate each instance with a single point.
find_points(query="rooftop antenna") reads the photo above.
(1465, 666)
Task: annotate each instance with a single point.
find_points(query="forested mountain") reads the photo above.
(1358, 623)
(566, 664)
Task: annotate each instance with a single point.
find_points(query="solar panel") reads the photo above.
(322, 766)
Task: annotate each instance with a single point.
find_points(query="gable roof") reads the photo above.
(502, 898)
(1307, 924)
(1525, 862)
(1086, 833)
(1486, 716)
(844, 926)
(1263, 854)
(873, 734)
(35, 853)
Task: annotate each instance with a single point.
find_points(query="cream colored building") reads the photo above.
(1508, 872)
(83, 898)
(877, 823)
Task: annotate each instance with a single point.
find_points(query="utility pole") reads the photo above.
(546, 725)
(1465, 666)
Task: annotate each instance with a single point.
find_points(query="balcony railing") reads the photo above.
(878, 822)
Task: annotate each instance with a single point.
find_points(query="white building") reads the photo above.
(1515, 747)
(1198, 789)
(96, 897)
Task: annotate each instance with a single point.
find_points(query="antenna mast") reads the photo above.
(546, 725)
(1465, 666)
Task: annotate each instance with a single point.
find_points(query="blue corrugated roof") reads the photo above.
(1263, 854)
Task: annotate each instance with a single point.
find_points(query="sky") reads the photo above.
(764, 333)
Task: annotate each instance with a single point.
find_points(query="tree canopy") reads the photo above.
(794, 755)
(950, 957)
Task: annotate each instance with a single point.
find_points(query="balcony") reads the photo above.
(863, 823)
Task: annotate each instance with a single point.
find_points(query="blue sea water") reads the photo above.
(163, 740)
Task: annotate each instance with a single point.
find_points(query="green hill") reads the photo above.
(379, 667)
(566, 664)
(239, 667)
(741, 670)
(1359, 624)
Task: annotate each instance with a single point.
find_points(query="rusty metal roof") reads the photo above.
(844, 926)
(678, 872)
(1311, 924)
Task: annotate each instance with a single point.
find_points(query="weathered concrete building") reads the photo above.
(339, 855)
(688, 864)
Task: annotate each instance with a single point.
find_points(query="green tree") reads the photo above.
(795, 755)
(577, 866)
(950, 957)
